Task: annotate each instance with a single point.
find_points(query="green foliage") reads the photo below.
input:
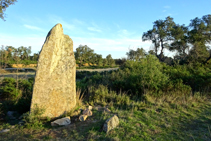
(4, 4)
(33, 119)
(136, 55)
(198, 77)
(140, 76)
(101, 95)
(16, 98)
(8, 89)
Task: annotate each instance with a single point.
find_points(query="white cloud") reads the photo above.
(32, 27)
(35, 42)
(94, 29)
(167, 7)
(55, 20)
(125, 33)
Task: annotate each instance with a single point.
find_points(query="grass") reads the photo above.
(163, 118)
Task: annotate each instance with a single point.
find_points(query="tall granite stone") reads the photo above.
(54, 87)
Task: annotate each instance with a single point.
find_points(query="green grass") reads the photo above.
(165, 118)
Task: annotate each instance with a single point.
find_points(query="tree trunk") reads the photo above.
(207, 59)
(161, 53)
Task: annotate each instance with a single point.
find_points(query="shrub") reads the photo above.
(140, 76)
(16, 98)
(101, 95)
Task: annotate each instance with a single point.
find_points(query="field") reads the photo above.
(166, 118)
(153, 101)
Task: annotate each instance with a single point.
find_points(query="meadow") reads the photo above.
(153, 101)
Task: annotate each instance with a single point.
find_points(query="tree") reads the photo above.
(99, 60)
(151, 35)
(199, 38)
(83, 54)
(131, 54)
(136, 55)
(105, 62)
(3, 5)
(180, 40)
(110, 60)
(160, 35)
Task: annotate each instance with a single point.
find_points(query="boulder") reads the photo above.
(61, 122)
(54, 88)
(111, 123)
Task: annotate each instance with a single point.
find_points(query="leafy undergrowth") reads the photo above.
(164, 118)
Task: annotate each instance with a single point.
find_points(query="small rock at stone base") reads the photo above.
(87, 112)
(11, 114)
(98, 108)
(90, 107)
(83, 117)
(21, 122)
(4, 130)
(111, 123)
(62, 121)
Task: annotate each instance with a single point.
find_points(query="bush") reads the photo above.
(101, 95)
(16, 98)
(140, 76)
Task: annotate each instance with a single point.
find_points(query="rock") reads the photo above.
(90, 107)
(87, 112)
(12, 114)
(83, 117)
(62, 121)
(107, 110)
(4, 130)
(111, 123)
(20, 117)
(21, 122)
(54, 88)
(99, 108)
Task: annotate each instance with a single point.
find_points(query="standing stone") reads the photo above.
(54, 88)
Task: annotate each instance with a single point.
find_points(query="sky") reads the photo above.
(107, 26)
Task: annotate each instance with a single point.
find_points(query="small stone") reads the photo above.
(12, 114)
(13, 126)
(20, 117)
(87, 112)
(111, 123)
(107, 110)
(62, 121)
(90, 107)
(4, 130)
(83, 117)
(21, 122)
(99, 108)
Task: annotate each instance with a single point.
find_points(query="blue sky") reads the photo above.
(107, 26)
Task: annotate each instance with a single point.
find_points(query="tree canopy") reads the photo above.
(4, 4)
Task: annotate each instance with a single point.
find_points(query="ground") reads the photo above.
(165, 118)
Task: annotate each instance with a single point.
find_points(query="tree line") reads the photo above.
(85, 54)
(191, 43)
(21, 55)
